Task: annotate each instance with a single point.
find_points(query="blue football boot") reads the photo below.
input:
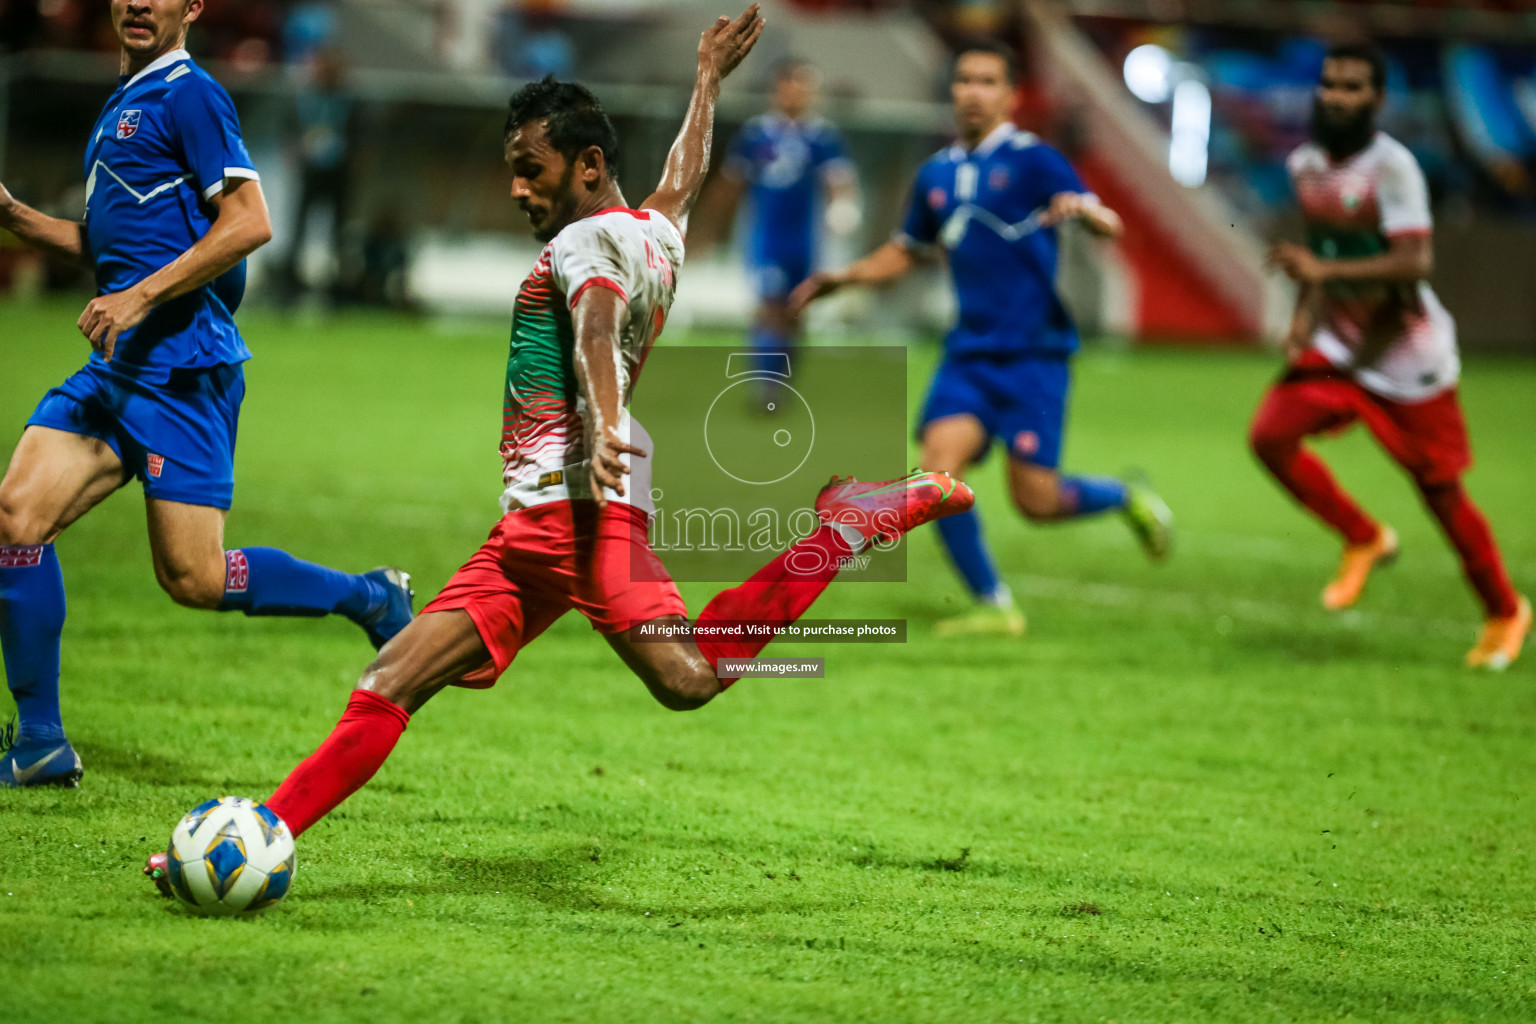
(395, 613)
(40, 763)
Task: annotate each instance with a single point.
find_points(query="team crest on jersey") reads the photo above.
(155, 465)
(998, 179)
(128, 123)
(936, 198)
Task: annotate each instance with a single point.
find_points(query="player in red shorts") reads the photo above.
(1370, 342)
(574, 532)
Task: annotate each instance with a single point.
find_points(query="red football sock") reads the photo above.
(348, 758)
(1469, 533)
(1277, 443)
(780, 591)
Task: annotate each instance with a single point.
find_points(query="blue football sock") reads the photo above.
(768, 344)
(266, 581)
(1090, 495)
(31, 621)
(968, 550)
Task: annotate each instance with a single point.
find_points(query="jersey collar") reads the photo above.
(999, 135)
(165, 60)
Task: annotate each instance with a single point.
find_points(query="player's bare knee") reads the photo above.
(687, 689)
(18, 527)
(387, 680)
(191, 586)
(1035, 506)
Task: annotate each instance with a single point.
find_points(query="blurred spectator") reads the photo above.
(308, 27)
(322, 138)
(533, 43)
(241, 31)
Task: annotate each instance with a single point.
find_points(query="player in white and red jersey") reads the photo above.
(1370, 342)
(574, 530)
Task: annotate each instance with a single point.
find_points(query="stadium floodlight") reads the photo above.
(1148, 73)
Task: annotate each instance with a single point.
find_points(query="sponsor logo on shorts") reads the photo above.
(550, 479)
(128, 123)
(237, 572)
(20, 556)
(1026, 442)
(155, 464)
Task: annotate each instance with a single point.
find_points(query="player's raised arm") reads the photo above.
(241, 226)
(722, 47)
(53, 235)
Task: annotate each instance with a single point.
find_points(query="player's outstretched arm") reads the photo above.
(241, 226)
(1410, 257)
(595, 321)
(884, 265)
(723, 46)
(1088, 209)
(55, 236)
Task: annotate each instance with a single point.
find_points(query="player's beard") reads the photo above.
(562, 210)
(1342, 138)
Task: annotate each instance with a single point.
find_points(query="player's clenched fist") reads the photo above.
(107, 316)
(726, 43)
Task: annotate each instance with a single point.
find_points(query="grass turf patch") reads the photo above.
(1189, 795)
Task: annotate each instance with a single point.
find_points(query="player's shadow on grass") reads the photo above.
(149, 769)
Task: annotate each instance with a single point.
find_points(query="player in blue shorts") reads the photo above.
(791, 166)
(173, 207)
(992, 202)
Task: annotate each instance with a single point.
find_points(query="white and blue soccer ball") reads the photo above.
(230, 856)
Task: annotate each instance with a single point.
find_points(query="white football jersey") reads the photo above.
(635, 253)
(1352, 209)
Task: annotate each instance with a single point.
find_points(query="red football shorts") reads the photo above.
(1428, 439)
(541, 562)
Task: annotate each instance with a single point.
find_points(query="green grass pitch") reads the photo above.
(1190, 794)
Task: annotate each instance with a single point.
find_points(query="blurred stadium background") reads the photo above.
(1179, 112)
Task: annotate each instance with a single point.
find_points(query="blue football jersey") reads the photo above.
(784, 163)
(984, 207)
(164, 145)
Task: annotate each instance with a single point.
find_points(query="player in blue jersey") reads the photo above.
(791, 167)
(173, 207)
(992, 203)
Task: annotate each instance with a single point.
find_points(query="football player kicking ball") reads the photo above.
(1370, 342)
(173, 207)
(992, 203)
(574, 532)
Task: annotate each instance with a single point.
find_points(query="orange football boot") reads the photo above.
(1355, 568)
(889, 508)
(1502, 639)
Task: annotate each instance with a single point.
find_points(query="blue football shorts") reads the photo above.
(178, 437)
(1021, 400)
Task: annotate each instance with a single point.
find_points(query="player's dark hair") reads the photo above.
(573, 119)
(1367, 52)
(997, 49)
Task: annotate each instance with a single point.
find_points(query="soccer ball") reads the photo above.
(230, 856)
